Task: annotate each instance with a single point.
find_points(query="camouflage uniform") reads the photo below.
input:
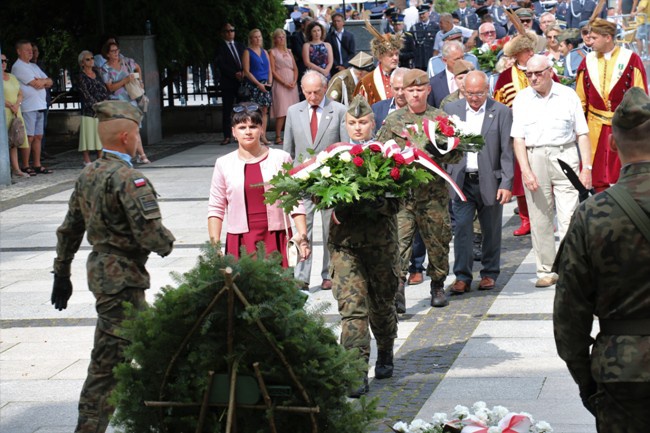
(116, 205)
(363, 266)
(603, 270)
(427, 208)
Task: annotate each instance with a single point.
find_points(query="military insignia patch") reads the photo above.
(148, 203)
(140, 182)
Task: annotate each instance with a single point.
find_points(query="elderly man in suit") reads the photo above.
(443, 83)
(383, 108)
(486, 180)
(343, 44)
(228, 61)
(314, 123)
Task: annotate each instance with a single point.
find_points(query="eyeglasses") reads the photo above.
(531, 74)
(489, 32)
(230, 30)
(245, 107)
(475, 95)
(4, 60)
(114, 50)
(551, 37)
(526, 21)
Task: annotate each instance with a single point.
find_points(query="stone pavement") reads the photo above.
(494, 346)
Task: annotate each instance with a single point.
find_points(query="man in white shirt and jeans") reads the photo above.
(33, 82)
(547, 120)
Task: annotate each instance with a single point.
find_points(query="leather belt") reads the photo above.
(472, 175)
(639, 327)
(605, 116)
(132, 255)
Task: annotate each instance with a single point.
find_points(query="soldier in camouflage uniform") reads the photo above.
(364, 263)
(116, 205)
(603, 271)
(427, 208)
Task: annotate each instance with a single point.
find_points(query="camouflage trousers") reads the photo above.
(364, 281)
(432, 220)
(108, 349)
(622, 407)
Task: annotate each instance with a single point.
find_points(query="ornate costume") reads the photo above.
(374, 87)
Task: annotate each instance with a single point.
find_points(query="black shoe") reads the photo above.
(304, 286)
(361, 390)
(516, 211)
(384, 364)
(400, 299)
(439, 297)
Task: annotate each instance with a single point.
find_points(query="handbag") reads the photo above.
(134, 89)
(293, 247)
(16, 133)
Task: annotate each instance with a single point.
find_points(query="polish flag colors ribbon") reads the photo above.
(409, 153)
(429, 127)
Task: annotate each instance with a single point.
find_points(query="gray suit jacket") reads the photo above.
(297, 134)
(495, 160)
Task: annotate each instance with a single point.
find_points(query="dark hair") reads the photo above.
(107, 47)
(255, 117)
(338, 14)
(313, 24)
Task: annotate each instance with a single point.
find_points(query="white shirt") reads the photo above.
(474, 124)
(33, 99)
(553, 120)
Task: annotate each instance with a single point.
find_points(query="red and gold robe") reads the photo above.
(375, 86)
(601, 84)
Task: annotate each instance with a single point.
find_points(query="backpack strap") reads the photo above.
(631, 208)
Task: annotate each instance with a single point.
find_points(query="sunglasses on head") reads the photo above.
(245, 107)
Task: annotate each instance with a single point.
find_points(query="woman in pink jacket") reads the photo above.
(237, 195)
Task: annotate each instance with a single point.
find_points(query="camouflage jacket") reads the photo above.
(603, 271)
(365, 224)
(117, 206)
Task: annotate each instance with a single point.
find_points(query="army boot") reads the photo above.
(361, 389)
(400, 299)
(438, 295)
(384, 364)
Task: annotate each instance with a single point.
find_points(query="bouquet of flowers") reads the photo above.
(345, 174)
(442, 135)
(487, 54)
(480, 419)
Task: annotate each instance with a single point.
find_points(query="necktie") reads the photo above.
(313, 125)
(234, 53)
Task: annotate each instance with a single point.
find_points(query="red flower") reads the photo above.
(374, 147)
(495, 48)
(356, 149)
(394, 173)
(399, 159)
(358, 161)
(447, 130)
(442, 120)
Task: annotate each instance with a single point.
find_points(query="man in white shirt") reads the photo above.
(33, 82)
(446, 24)
(547, 119)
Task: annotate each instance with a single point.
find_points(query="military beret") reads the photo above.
(359, 107)
(633, 110)
(453, 33)
(111, 110)
(423, 8)
(415, 77)
(462, 67)
(362, 61)
(524, 13)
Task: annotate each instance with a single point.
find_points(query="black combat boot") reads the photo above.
(438, 296)
(400, 299)
(384, 364)
(361, 389)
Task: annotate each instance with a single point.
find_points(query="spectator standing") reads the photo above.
(116, 73)
(443, 83)
(285, 81)
(461, 69)
(467, 15)
(33, 85)
(341, 86)
(48, 98)
(385, 48)
(383, 108)
(547, 120)
(123, 231)
(229, 65)
(486, 180)
(424, 34)
(604, 254)
(259, 79)
(342, 42)
(91, 91)
(446, 25)
(326, 120)
(553, 45)
(13, 100)
(316, 53)
(582, 10)
(603, 78)
(236, 192)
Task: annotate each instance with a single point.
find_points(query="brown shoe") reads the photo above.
(415, 278)
(326, 285)
(459, 287)
(546, 281)
(486, 283)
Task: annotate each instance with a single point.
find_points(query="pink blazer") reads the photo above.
(227, 192)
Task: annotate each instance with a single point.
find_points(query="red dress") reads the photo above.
(258, 226)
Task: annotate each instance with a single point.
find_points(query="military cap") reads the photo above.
(389, 11)
(423, 8)
(362, 61)
(415, 77)
(583, 24)
(633, 110)
(549, 5)
(603, 27)
(453, 33)
(359, 107)
(397, 18)
(482, 11)
(111, 110)
(480, 2)
(524, 13)
(568, 34)
(462, 67)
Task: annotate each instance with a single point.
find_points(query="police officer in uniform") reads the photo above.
(116, 205)
(603, 271)
(364, 260)
(424, 35)
(407, 52)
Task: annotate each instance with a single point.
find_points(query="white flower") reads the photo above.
(484, 48)
(439, 418)
(477, 420)
(401, 427)
(483, 414)
(499, 412)
(419, 426)
(345, 156)
(543, 427)
(460, 412)
(303, 175)
(479, 405)
(325, 172)
(322, 157)
(494, 430)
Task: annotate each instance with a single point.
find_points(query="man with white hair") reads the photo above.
(446, 24)
(547, 121)
(487, 33)
(443, 83)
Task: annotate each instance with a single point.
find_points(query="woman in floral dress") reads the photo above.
(316, 53)
(91, 90)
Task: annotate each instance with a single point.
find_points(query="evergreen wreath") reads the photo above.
(168, 362)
